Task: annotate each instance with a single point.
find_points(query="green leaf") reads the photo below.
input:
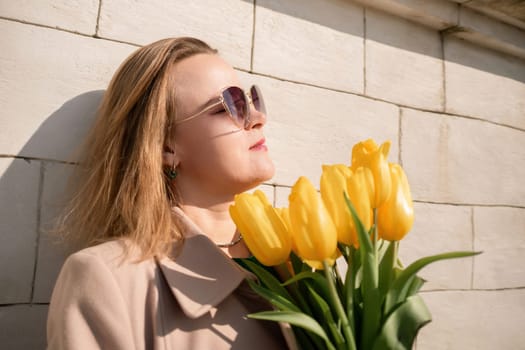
(323, 309)
(369, 282)
(267, 279)
(371, 300)
(415, 285)
(400, 328)
(363, 238)
(344, 249)
(305, 340)
(273, 297)
(319, 280)
(297, 263)
(348, 291)
(386, 266)
(297, 319)
(401, 285)
(338, 307)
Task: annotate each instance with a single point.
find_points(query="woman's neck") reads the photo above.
(215, 222)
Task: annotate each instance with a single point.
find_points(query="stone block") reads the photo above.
(315, 42)
(481, 320)
(77, 16)
(226, 25)
(309, 126)
(19, 188)
(436, 14)
(500, 234)
(484, 83)
(52, 251)
(403, 62)
(50, 85)
(486, 28)
(459, 160)
(281, 196)
(440, 229)
(23, 326)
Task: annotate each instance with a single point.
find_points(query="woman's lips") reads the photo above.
(259, 146)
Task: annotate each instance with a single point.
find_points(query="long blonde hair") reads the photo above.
(121, 187)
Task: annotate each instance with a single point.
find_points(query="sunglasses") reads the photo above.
(236, 102)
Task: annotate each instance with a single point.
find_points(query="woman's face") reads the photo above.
(212, 153)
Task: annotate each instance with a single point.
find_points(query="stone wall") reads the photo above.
(443, 81)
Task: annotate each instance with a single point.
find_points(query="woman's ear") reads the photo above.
(169, 157)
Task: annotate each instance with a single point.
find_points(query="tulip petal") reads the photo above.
(313, 230)
(264, 232)
(396, 216)
(333, 184)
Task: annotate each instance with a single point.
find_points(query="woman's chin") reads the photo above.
(260, 175)
(267, 170)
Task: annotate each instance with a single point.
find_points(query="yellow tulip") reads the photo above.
(367, 154)
(333, 184)
(361, 191)
(262, 229)
(284, 213)
(313, 230)
(396, 216)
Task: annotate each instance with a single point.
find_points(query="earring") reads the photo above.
(172, 172)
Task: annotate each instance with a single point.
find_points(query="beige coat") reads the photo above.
(199, 301)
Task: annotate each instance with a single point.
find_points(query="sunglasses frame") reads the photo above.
(248, 100)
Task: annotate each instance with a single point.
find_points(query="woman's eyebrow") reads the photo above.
(211, 102)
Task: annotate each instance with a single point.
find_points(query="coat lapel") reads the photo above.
(201, 275)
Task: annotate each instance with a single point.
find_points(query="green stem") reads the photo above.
(393, 262)
(347, 332)
(284, 273)
(375, 234)
(349, 292)
(339, 282)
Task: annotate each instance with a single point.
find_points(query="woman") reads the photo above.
(174, 141)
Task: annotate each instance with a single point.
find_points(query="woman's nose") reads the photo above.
(257, 118)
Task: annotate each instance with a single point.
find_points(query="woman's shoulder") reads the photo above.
(117, 256)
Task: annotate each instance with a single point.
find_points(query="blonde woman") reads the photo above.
(175, 139)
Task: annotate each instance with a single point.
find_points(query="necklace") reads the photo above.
(230, 244)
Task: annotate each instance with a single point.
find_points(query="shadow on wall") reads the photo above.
(385, 29)
(32, 193)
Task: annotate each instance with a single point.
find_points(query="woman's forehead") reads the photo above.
(201, 77)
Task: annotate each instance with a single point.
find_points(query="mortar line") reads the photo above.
(98, 18)
(288, 80)
(400, 136)
(443, 72)
(38, 222)
(400, 105)
(253, 35)
(69, 31)
(472, 246)
(364, 51)
(22, 304)
(472, 290)
(278, 184)
(45, 26)
(471, 204)
(26, 158)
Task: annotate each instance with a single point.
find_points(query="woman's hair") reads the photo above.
(121, 189)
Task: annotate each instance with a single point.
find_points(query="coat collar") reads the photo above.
(200, 275)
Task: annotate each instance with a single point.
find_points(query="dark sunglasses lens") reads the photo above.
(236, 103)
(257, 99)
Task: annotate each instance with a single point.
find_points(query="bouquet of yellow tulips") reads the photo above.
(361, 213)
